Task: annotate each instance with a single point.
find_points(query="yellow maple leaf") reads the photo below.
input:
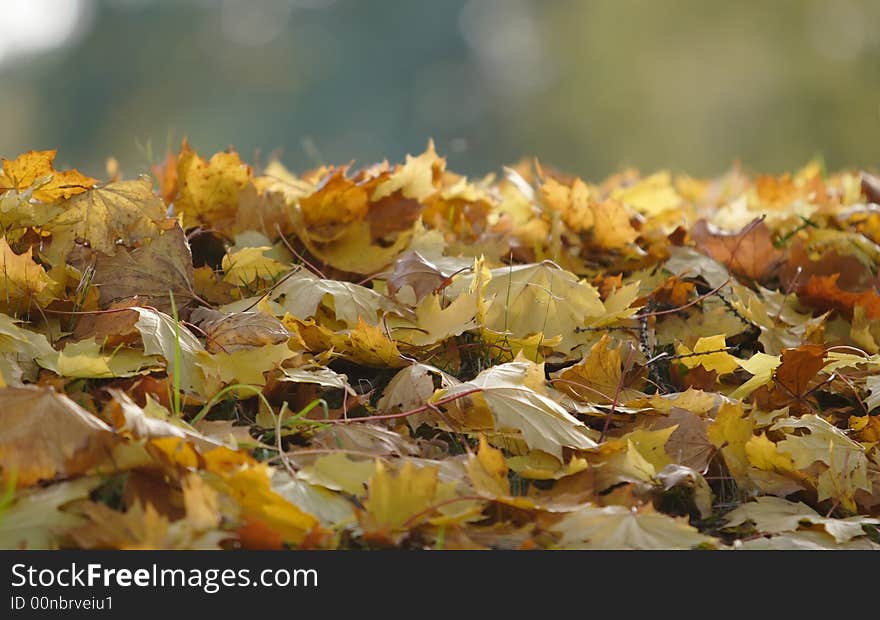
(22, 281)
(617, 527)
(398, 503)
(333, 206)
(599, 377)
(208, 190)
(538, 465)
(487, 470)
(523, 300)
(245, 365)
(844, 462)
(651, 445)
(763, 454)
(573, 202)
(339, 472)
(140, 527)
(761, 366)
(251, 488)
(201, 502)
(126, 210)
(435, 323)
(507, 348)
(651, 196)
(361, 224)
(730, 432)
(247, 265)
(611, 227)
(35, 168)
(415, 179)
(366, 344)
(713, 355)
(44, 434)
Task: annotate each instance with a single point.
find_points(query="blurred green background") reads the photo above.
(586, 85)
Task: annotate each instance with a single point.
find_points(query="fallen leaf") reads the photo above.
(397, 504)
(208, 190)
(24, 283)
(154, 273)
(46, 435)
(617, 527)
(126, 211)
(34, 169)
(773, 515)
(36, 520)
(749, 253)
(513, 405)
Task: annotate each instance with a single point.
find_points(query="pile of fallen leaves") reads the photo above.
(397, 355)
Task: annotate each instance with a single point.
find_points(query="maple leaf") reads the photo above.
(749, 253)
(415, 179)
(601, 377)
(573, 202)
(792, 379)
(150, 422)
(208, 191)
(176, 344)
(153, 273)
(689, 443)
(251, 487)
(504, 392)
(487, 470)
(46, 435)
(360, 225)
(21, 351)
(652, 196)
(413, 270)
(798, 367)
(85, 359)
(537, 298)
(822, 292)
(126, 211)
(411, 388)
(332, 509)
(611, 226)
(249, 265)
(618, 527)
(805, 540)
(434, 323)
(245, 365)
(36, 519)
(773, 515)
(845, 464)
(365, 344)
(397, 504)
(730, 432)
(302, 294)
(710, 353)
(141, 527)
(335, 204)
(762, 367)
(322, 376)
(23, 283)
(239, 330)
(338, 472)
(34, 169)
(764, 454)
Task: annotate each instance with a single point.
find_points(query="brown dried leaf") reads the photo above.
(749, 253)
(45, 435)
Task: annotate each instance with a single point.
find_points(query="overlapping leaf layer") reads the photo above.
(219, 356)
